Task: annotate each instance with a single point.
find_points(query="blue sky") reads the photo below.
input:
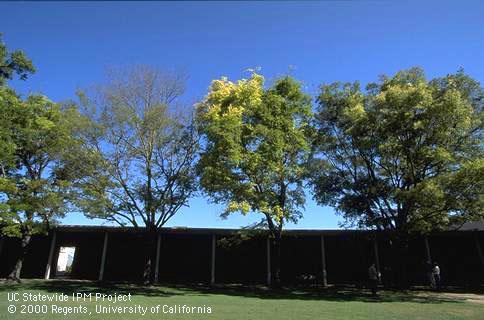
(72, 43)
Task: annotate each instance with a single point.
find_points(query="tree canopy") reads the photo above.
(256, 148)
(36, 134)
(12, 63)
(39, 134)
(142, 149)
(405, 155)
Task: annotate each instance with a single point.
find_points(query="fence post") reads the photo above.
(269, 275)
(323, 262)
(157, 263)
(377, 256)
(51, 255)
(427, 250)
(103, 258)
(212, 267)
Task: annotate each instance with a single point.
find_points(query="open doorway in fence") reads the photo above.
(64, 261)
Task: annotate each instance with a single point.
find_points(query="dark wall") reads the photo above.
(243, 262)
(396, 263)
(301, 259)
(8, 256)
(480, 237)
(186, 257)
(36, 259)
(34, 263)
(457, 258)
(348, 257)
(126, 256)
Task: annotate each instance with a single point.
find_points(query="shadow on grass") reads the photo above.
(332, 293)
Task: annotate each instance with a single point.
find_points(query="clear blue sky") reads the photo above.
(72, 43)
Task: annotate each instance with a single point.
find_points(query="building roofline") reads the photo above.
(221, 231)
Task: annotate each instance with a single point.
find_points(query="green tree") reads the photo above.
(140, 166)
(10, 63)
(13, 63)
(32, 195)
(256, 149)
(34, 133)
(403, 156)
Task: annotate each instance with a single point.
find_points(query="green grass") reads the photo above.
(235, 302)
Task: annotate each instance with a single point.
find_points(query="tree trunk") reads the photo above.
(276, 263)
(17, 269)
(149, 270)
(400, 261)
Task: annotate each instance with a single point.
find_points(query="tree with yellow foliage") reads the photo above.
(256, 150)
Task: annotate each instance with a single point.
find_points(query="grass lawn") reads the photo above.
(233, 302)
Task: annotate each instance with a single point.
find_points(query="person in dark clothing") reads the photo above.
(373, 279)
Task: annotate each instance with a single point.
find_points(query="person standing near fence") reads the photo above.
(436, 275)
(373, 279)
